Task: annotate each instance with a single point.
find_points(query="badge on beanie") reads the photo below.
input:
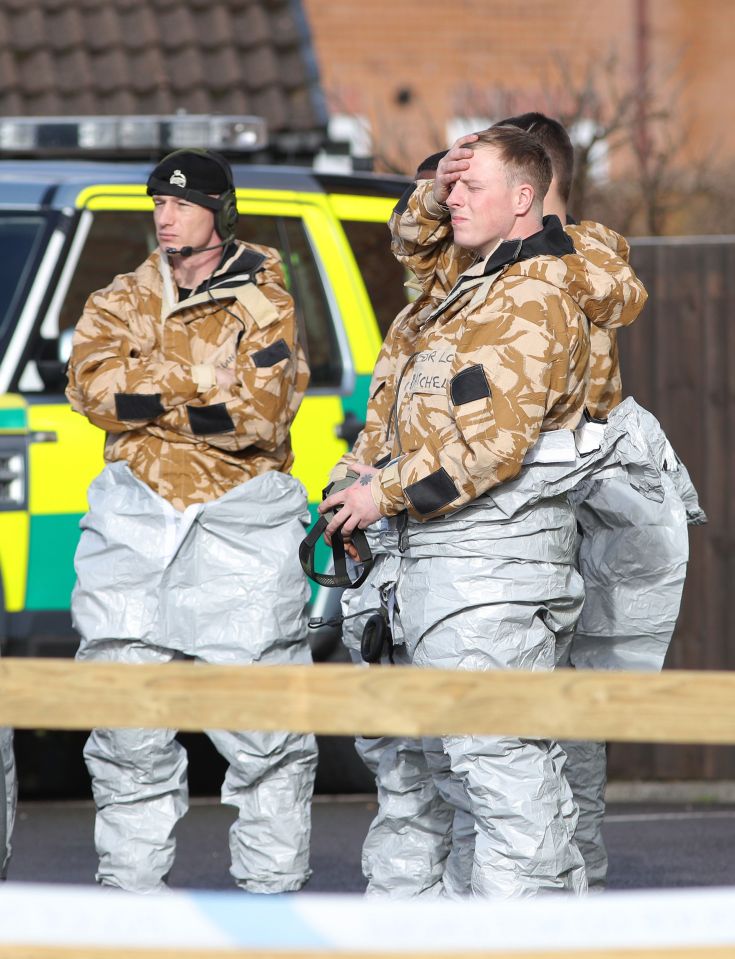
(177, 178)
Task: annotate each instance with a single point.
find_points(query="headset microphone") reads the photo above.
(188, 250)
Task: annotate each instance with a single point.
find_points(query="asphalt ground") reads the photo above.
(651, 845)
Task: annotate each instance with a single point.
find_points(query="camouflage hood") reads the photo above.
(606, 250)
(608, 297)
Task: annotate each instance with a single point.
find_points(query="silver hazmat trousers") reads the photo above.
(220, 583)
(8, 797)
(421, 841)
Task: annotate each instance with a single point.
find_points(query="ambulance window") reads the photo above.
(304, 283)
(117, 242)
(19, 234)
(322, 347)
(382, 274)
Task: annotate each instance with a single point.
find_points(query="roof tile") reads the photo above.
(101, 27)
(138, 27)
(146, 71)
(8, 72)
(251, 26)
(73, 72)
(185, 70)
(176, 28)
(64, 28)
(36, 73)
(26, 31)
(213, 25)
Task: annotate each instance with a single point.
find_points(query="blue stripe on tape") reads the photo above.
(253, 920)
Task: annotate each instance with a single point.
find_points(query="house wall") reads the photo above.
(410, 66)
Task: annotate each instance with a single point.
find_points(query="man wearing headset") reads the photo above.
(192, 366)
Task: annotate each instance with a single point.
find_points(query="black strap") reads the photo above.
(340, 576)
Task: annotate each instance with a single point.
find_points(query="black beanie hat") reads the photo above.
(192, 175)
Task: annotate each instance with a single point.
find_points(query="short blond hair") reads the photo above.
(525, 159)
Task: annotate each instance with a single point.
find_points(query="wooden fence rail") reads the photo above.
(673, 706)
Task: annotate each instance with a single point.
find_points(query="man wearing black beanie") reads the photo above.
(192, 366)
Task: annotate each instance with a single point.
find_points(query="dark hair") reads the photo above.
(523, 156)
(555, 140)
(430, 164)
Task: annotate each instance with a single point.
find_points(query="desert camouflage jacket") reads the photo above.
(142, 369)
(464, 388)
(605, 388)
(422, 240)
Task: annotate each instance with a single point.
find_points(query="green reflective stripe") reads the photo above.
(53, 542)
(12, 419)
(358, 400)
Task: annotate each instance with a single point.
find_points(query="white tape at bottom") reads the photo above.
(83, 916)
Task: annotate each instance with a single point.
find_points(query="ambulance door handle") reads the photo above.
(43, 436)
(349, 428)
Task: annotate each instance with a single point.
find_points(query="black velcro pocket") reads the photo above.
(138, 406)
(270, 355)
(403, 202)
(433, 492)
(210, 419)
(469, 385)
(383, 461)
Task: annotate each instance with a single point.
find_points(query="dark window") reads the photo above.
(304, 283)
(323, 352)
(19, 237)
(382, 274)
(116, 243)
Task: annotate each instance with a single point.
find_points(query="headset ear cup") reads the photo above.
(374, 635)
(226, 217)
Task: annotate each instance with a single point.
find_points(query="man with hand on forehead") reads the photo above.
(634, 549)
(192, 366)
(488, 387)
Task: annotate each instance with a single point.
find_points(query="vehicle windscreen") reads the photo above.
(382, 275)
(20, 249)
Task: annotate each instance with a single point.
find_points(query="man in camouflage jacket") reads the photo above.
(412, 824)
(192, 367)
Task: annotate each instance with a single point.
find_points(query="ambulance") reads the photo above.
(73, 213)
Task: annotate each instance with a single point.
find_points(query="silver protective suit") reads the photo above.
(633, 556)
(462, 586)
(8, 797)
(220, 583)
